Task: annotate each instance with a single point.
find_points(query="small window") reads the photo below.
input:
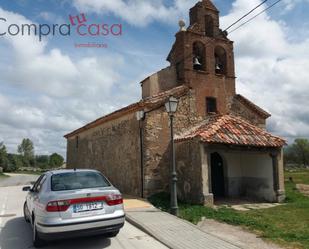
(211, 105)
(38, 184)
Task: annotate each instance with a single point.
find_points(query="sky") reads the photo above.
(51, 87)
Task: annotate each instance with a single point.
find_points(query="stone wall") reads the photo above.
(113, 148)
(238, 108)
(206, 83)
(157, 155)
(189, 171)
(161, 81)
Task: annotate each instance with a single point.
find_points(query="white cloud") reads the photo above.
(51, 17)
(136, 12)
(272, 71)
(290, 4)
(48, 93)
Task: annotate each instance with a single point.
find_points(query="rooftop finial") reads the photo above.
(182, 25)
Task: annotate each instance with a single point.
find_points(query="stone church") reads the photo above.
(222, 147)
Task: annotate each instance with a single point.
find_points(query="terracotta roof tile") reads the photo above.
(233, 130)
(151, 102)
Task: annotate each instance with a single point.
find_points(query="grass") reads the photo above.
(298, 176)
(2, 175)
(287, 225)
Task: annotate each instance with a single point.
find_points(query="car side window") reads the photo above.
(38, 188)
(35, 186)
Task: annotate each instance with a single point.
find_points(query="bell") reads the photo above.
(218, 66)
(196, 62)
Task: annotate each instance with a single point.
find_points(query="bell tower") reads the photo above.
(204, 60)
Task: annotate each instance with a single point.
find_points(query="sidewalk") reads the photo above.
(173, 232)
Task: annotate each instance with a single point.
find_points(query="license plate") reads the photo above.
(84, 207)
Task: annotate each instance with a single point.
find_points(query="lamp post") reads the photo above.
(140, 115)
(171, 107)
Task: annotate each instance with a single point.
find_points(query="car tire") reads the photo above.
(26, 212)
(37, 241)
(111, 234)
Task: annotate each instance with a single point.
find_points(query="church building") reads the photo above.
(222, 147)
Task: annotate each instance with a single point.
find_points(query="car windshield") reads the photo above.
(77, 180)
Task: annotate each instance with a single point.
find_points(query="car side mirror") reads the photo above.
(27, 188)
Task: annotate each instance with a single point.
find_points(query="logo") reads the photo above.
(76, 24)
(83, 28)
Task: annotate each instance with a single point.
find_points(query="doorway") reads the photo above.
(217, 175)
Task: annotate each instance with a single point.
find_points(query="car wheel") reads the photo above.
(112, 234)
(26, 212)
(37, 241)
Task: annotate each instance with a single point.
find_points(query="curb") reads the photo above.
(160, 238)
(149, 231)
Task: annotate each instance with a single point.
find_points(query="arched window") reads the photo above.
(209, 26)
(199, 60)
(220, 60)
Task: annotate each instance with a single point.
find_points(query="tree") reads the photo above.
(56, 160)
(42, 161)
(15, 162)
(4, 161)
(26, 150)
(298, 152)
(300, 147)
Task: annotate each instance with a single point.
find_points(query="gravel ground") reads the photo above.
(236, 235)
(17, 179)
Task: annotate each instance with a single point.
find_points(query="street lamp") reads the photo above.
(171, 107)
(140, 115)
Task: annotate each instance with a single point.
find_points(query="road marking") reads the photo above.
(3, 212)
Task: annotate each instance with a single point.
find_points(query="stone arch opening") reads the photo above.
(220, 60)
(199, 56)
(217, 175)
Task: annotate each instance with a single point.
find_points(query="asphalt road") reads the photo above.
(15, 233)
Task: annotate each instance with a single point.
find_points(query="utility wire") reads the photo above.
(255, 16)
(245, 15)
(241, 25)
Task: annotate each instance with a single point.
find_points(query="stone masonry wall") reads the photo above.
(237, 108)
(112, 148)
(189, 185)
(157, 155)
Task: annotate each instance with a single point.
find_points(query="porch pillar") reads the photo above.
(206, 179)
(278, 180)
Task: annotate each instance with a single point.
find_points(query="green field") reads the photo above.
(287, 225)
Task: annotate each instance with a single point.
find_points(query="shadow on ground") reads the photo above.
(17, 234)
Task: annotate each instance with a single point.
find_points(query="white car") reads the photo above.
(69, 203)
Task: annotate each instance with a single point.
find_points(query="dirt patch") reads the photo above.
(303, 188)
(235, 235)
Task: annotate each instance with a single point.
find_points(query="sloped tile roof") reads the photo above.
(150, 103)
(232, 130)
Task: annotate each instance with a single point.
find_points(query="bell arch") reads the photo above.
(220, 60)
(199, 56)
